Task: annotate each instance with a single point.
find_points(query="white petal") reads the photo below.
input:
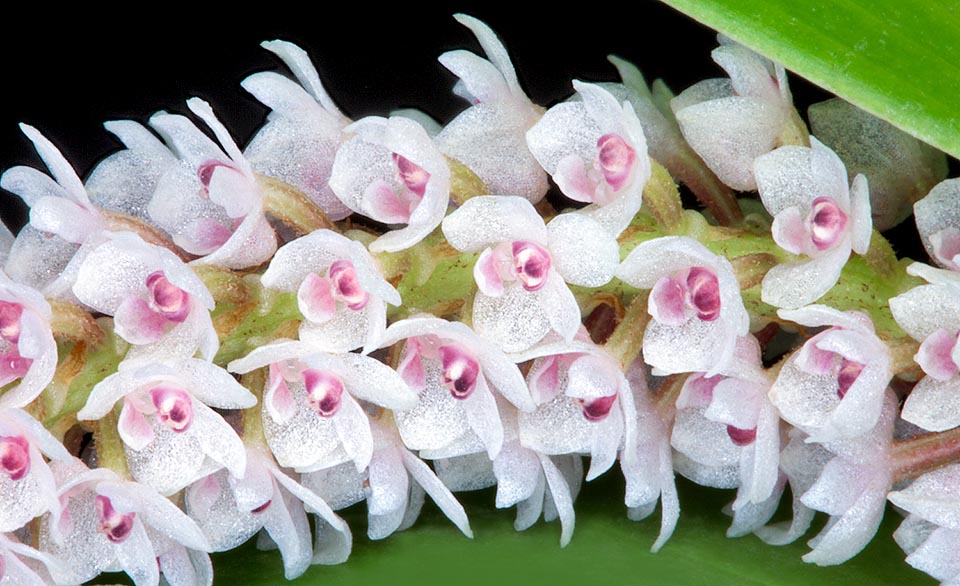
(518, 472)
(377, 383)
(299, 63)
(562, 499)
(438, 492)
(486, 220)
(494, 49)
(934, 405)
(103, 397)
(484, 419)
(287, 524)
(935, 496)
(60, 169)
(157, 511)
(797, 284)
(353, 429)
(729, 134)
(583, 252)
(860, 218)
(923, 310)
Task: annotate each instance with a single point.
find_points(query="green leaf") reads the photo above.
(898, 60)
(607, 548)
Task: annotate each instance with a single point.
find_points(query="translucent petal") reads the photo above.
(935, 496)
(490, 140)
(299, 63)
(583, 252)
(437, 491)
(748, 127)
(482, 221)
(799, 283)
(484, 419)
(914, 311)
(934, 405)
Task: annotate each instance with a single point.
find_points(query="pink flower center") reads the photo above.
(14, 456)
(174, 407)
(741, 437)
(460, 370)
(324, 390)
(346, 286)
(114, 525)
(703, 290)
(946, 247)
(616, 160)
(531, 264)
(205, 174)
(849, 371)
(10, 321)
(167, 299)
(596, 409)
(827, 223)
(414, 176)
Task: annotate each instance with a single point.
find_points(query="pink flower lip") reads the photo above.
(596, 409)
(827, 223)
(741, 437)
(460, 371)
(167, 299)
(174, 407)
(849, 371)
(114, 525)
(703, 289)
(14, 456)
(531, 263)
(324, 391)
(414, 176)
(346, 285)
(10, 321)
(617, 160)
(205, 172)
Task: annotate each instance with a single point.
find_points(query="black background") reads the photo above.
(67, 73)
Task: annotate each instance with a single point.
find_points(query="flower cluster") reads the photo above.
(201, 343)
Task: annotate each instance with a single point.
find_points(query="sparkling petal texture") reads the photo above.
(367, 158)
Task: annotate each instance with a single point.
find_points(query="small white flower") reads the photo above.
(817, 214)
(156, 301)
(731, 122)
(27, 349)
(596, 152)
(393, 485)
(489, 137)
(105, 526)
(524, 267)
(695, 304)
(300, 139)
(930, 314)
(210, 201)
(455, 374)
(171, 436)
(340, 291)
(833, 387)
(230, 510)
(391, 172)
(312, 415)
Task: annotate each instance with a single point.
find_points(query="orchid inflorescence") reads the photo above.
(201, 343)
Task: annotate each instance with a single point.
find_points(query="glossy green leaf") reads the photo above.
(899, 60)
(607, 548)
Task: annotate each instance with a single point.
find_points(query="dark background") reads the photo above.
(68, 73)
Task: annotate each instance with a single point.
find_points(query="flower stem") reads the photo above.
(915, 456)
